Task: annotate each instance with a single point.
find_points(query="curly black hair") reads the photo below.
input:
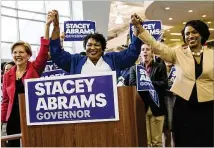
(200, 27)
(97, 37)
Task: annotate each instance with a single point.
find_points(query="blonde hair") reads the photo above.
(26, 46)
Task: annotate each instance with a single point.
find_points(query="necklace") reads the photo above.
(198, 54)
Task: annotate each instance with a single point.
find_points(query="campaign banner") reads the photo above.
(171, 76)
(153, 26)
(145, 84)
(52, 70)
(72, 99)
(77, 30)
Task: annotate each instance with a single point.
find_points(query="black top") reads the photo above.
(19, 89)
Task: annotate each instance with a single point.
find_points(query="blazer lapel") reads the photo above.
(80, 64)
(11, 82)
(191, 64)
(208, 65)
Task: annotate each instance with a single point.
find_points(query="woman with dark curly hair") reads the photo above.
(193, 86)
(95, 59)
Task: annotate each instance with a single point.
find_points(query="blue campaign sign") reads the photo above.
(72, 99)
(145, 84)
(77, 30)
(171, 77)
(153, 26)
(52, 70)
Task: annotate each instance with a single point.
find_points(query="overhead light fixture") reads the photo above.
(167, 8)
(190, 11)
(168, 30)
(211, 29)
(175, 39)
(170, 18)
(184, 23)
(204, 15)
(178, 34)
(209, 22)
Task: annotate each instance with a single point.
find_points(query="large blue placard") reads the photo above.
(77, 30)
(72, 99)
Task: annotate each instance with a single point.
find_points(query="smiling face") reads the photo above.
(20, 56)
(93, 49)
(192, 37)
(146, 53)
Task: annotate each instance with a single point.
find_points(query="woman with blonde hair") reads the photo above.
(13, 80)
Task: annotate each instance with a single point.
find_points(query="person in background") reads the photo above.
(8, 66)
(193, 85)
(2, 70)
(154, 114)
(169, 101)
(95, 59)
(13, 80)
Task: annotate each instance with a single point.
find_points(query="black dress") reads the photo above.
(13, 124)
(193, 120)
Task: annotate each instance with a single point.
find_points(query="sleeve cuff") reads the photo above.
(45, 41)
(55, 42)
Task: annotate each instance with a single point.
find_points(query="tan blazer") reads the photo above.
(185, 69)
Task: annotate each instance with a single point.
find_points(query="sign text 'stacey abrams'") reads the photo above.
(72, 99)
(77, 30)
(154, 28)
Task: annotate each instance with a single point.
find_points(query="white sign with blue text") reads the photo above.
(72, 99)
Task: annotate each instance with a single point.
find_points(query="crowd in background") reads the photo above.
(185, 114)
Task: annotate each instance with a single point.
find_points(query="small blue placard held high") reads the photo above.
(145, 84)
(72, 99)
(77, 30)
(153, 26)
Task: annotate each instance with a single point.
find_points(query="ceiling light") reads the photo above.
(167, 8)
(203, 15)
(190, 11)
(184, 23)
(175, 39)
(119, 20)
(168, 30)
(170, 18)
(211, 29)
(209, 22)
(178, 34)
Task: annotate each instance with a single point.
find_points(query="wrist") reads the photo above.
(140, 28)
(56, 25)
(47, 25)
